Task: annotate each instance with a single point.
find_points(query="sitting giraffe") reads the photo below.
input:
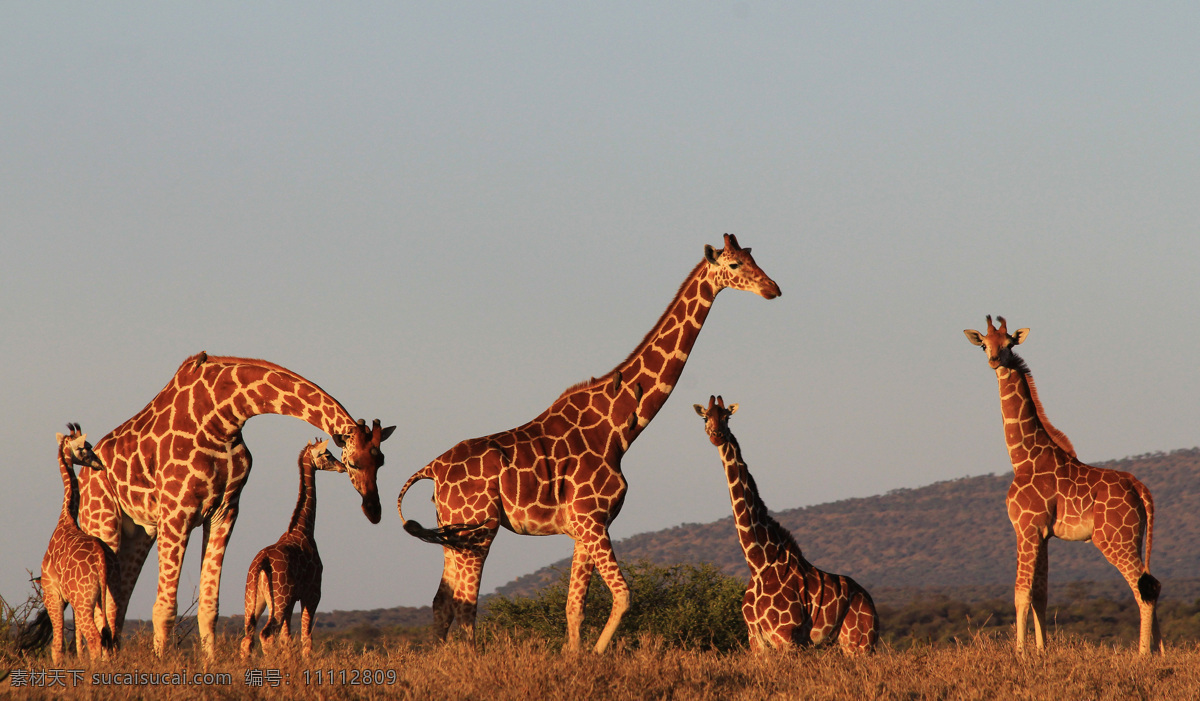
(77, 568)
(290, 570)
(788, 601)
(1054, 494)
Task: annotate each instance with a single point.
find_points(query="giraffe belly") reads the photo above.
(1076, 531)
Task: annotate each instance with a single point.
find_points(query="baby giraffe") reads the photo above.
(788, 601)
(77, 568)
(290, 570)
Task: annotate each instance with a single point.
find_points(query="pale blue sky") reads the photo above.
(446, 213)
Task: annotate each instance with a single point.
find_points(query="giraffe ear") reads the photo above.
(338, 439)
(733, 409)
(386, 432)
(699, 410)
(1020, 336)
(974, 336)
(58, 437)
(710, 254)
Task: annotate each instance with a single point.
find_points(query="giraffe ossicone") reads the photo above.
(788, 601)
(1054, 494)
(561, 472)
(181, 462)
(290, 570)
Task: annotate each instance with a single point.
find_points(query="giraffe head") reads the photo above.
(733, 266)
(75, 448)
(997, 344)
(716, 419)
(363, 458)
(318, 454)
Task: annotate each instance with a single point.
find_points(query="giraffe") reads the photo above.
(788, 601)
(561, 472)
(1054, 494)
(290, 570)
(77, 568)
(181, 462)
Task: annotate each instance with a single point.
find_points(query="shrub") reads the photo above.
(686, 606)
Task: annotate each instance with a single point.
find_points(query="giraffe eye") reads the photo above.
(734, 266)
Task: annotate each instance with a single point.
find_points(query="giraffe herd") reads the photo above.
(181, 462)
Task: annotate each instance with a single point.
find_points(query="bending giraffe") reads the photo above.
(290, 570)
(788, 601)
(78, 569)
(1054, 494)
(561, 472)
(181, 462)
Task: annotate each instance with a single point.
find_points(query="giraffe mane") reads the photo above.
(1060, 439)
(784, 536)
(760, 508)
(650, 335)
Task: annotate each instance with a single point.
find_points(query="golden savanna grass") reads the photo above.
(984, 668)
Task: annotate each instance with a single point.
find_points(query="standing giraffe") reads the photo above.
(788, 601)
(290, 570)
(561, 472)
(77, 568)
(181, 462)
(1054, 494)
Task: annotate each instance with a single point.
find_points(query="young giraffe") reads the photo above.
(788, 601)
(561, 472)
(290, 570)
(1054, 494)
(77, 568)
(181, 462)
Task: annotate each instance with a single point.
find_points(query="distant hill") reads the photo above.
(945, 540)
(952, 535)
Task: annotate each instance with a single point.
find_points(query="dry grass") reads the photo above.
(983, 669)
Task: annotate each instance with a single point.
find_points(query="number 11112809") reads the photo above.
(350, 677)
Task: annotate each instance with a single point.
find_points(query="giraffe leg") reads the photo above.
(308, 613)
(443, 610)
(1039, 593)
(217, 529)
(601, 553)
(52, 598)
(581, 577)
(285, 626)
(1028, 546)
(468, 571)
(131, 555)
(171, 547)
(85, 629)
(1124, 552)
(254, 605)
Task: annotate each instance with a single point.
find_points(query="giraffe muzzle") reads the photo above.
(370, 506)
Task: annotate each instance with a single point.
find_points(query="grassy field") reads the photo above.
(982, 668)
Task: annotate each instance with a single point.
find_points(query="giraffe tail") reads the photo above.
(454, 535)
(1148, 503)
(37, 634)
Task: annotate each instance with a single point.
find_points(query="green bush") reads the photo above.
(686, 606)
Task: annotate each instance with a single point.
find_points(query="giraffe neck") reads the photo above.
(656, 364)
(1025, 422)
(760, 536)
(70, 505)
(642, 383)
(304, 516)
(217, 395)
